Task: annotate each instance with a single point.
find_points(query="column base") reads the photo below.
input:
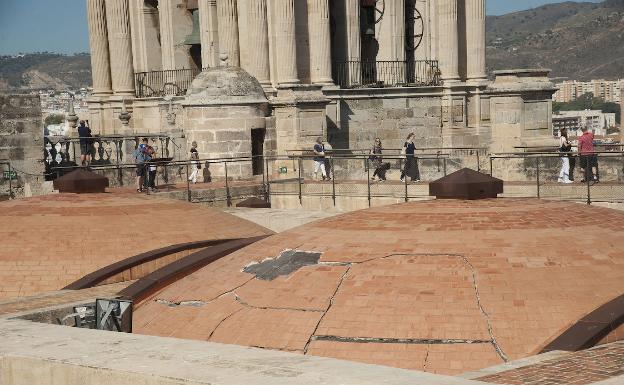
(289, 83)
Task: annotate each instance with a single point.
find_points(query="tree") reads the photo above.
(589, 102)
(54, 119)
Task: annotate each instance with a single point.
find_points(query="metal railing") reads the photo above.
(7, 176)
(419, 73)
(162, 83)
(537, 175)
(62, 151)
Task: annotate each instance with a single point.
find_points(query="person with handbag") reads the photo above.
(565, 148)
(195, 164)
(377, 161)
(411, 162)
(319, 159)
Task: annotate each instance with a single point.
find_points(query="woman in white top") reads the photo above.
(565, 147)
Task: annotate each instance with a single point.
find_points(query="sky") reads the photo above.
(61, 25)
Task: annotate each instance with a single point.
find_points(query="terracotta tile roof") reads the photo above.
(50, 241)
(584, 367)
(445, 286)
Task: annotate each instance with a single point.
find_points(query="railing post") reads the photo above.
(444, 164)
(368, 182)
(10, 182)
(332, 175)
(405, 179)
(478, 162)
(491, 166)
(188, 182)
(537, 159)
(146, 171)
(299, 181)
(227, 187)
(588, 172)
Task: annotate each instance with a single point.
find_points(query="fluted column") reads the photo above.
(475, 39)
(448, 39)
(228, 31)
(320, 42)
(354, 41)
(98, 39)
(120, 44)
(259, 41)
(167, 44)
(287, 74)
(208, 32)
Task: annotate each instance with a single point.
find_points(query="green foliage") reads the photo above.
(54, 119)
(589, 102)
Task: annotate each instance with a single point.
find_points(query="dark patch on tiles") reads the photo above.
(287, 263)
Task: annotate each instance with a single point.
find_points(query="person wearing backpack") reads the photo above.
(140, 158)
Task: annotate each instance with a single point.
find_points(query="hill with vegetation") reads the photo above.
(578, 41)
(45, 71)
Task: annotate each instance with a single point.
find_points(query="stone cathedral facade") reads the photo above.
(245, 77)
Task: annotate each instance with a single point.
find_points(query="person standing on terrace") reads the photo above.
(319, 159)
(84, 135)
(589, 159)
(564, 148)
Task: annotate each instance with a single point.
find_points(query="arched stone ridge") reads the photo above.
(99, 276)
(590, 329)
(224, 86)
(466, 273)
(169, 274)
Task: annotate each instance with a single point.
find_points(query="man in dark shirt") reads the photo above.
(319, 159)
(84, 133)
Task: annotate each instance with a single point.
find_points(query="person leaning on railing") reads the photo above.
(589, 158)
(86, 143)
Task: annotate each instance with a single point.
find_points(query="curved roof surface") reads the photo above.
(441, 286)
(50, 241)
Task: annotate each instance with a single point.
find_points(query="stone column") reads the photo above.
(120, 44)
(209, 33)
(354, 41)
(320, 42)
(167, 43)
(448, 40)
(287, 74)
(259, 42)
(228, 31)
(475, 39)
(98, 38)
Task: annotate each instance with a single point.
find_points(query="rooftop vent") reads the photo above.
(466, 184)
(81, 181)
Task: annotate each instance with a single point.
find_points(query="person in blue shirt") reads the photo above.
(141, 157)
(319, 159)
(411, 162)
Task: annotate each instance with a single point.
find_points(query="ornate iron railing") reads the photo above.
(357, 74)
(162, 83)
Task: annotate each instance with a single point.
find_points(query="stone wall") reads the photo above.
(21, 142)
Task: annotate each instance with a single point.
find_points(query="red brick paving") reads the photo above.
(50, 241)
(580, 368)
(537, 266)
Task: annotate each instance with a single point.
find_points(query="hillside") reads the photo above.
(45, 71)
(576, 40)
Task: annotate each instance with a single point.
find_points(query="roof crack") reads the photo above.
(331, 302)
(246, 304)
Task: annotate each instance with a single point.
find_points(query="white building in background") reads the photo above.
(594, 120)
(570, 90)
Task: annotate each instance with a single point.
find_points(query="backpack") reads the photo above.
(140, 156)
